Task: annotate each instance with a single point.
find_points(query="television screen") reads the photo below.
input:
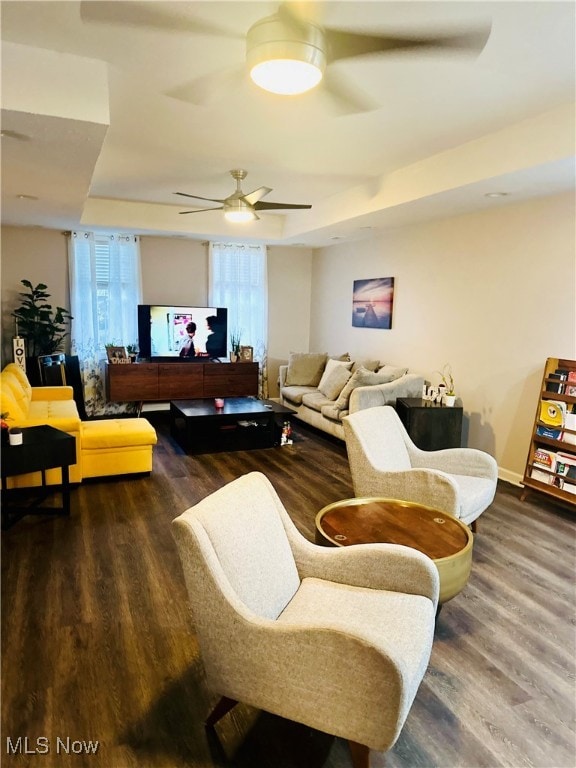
(184, 333)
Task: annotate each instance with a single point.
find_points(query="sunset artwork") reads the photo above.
(372, 303)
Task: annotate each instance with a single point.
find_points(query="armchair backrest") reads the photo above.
(378, 434)
(239, 534)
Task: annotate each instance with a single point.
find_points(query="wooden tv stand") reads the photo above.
(161, 382)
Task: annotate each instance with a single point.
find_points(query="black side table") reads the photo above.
(42, 448)
(430, 425)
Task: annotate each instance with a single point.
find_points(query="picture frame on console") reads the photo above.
(246, 354)
(117, 355)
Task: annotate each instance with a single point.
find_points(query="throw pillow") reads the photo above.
(370, 365)
(344, 396)
(332, 364)
(392, 372)
(334, 383)
(305, 369)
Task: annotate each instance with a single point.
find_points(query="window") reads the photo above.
(105, 290)
(239, 281)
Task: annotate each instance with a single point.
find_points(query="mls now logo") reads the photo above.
(24, 745)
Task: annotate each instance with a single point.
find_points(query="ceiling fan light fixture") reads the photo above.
(285, 59)
(238, 212)
(286, 77)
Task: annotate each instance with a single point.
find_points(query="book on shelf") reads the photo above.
(544, 459)
(552, 413)
(570, 386)
(566, 465)
(557, 385)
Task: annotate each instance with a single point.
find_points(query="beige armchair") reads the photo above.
(385, 462)
(336, 638)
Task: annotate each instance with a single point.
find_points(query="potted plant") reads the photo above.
(43, 326)
(448, 382)
(132, 350)
(235, 346)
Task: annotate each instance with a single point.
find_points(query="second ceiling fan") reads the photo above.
(240, 207)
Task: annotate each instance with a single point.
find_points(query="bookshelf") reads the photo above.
(551, 463)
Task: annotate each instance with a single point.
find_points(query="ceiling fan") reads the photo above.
(288, 38)
(239, 207)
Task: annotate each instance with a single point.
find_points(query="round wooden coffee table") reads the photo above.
(378, 520)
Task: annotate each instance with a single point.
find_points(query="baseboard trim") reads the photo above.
(510, 477)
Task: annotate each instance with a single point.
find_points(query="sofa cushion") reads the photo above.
(21, 377)
(316, 400)
(305, 369)
(117, 433)
(10, 406)
(61, 414)
(331, 412)
(295, 394)
(11, 384)
(332, 385)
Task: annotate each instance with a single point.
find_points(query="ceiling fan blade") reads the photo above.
(345, 45)
(198, 197)
(209, 88)
(345, 98)
(256, 195)
(148, 15)
(203, 210)
(262, 206)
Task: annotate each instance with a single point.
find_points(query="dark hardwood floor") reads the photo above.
(98, 645)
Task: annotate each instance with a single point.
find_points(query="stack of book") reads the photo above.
(554, 468)
(562, 381)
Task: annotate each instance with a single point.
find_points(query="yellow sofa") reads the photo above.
(103, 447)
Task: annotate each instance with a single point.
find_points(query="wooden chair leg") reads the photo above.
(223, 706)
(360, 755)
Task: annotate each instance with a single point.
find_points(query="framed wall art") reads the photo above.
(246, 354)
(372, 302)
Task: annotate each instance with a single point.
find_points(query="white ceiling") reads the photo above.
(100, 127)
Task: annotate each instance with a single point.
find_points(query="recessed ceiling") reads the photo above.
(120, 114)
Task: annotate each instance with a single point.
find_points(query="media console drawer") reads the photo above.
(234, 379)
(161, 382)
(132, 382)
(180, 380)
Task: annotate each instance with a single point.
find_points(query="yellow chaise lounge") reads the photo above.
(104, 447)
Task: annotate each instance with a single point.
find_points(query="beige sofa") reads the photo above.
(322, 390)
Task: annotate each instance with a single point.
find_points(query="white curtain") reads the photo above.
(105, 290)
(238, 280)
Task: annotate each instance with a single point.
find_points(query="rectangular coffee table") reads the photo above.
(242, 423)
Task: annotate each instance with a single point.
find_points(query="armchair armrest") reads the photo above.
(456, 461)
(52, 393)
(375, 566)
(422, 486)
(282, 373)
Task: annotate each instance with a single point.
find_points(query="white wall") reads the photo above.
(492, 293)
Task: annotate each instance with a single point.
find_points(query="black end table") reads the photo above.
(42, 448)
(431, 426)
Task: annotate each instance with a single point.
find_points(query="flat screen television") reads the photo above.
(166, 332)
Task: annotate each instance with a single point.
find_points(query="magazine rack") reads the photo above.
(551, 464)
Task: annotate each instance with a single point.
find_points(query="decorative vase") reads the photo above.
(233, 357)
(449, 400)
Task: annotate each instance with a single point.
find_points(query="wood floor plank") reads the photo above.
(98, 642)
